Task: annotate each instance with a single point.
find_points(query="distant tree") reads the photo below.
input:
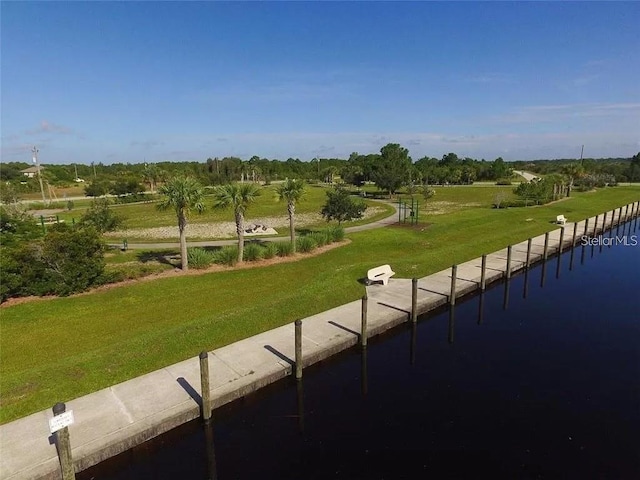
(633, 174)
(97, 188)
(238, 197)
(182, 194)
(151, 175)
(499, 169)
(341, 206)
(427, 192)
(291, 191)
(391, 171)
(126, 186)
(572, 171)
(101, 217)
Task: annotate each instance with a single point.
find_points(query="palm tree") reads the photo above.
(238, 196)
(152, 175)
(183, 194)
(291, 191)
(573, 171)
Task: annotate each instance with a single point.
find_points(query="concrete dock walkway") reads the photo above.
(117, 418)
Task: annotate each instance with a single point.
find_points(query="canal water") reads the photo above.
(537, 378)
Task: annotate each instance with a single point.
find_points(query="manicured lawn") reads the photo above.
(56, 350)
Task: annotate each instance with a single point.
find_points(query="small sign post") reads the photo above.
(61, 421)
(59, 428)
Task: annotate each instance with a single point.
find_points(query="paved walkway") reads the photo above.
(117, 418)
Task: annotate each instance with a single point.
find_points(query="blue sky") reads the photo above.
(154, 81)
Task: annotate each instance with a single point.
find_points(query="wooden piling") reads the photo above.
(452, 296)
(363, 322)
(509, 262)
(63, 444)
(204, 386)
(483, 273)
(529, 242)
(604, 223)
(586, 226)
(414, 300)
(561, 240)
(298, 347)
(595, 226)
(545, 252)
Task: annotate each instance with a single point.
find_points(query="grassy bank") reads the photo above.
(55, 350)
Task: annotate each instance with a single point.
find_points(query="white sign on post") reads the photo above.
(58, 422)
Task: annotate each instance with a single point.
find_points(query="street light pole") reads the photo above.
(35, 160)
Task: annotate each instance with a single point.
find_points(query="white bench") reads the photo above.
(382, 273)
(561, 220)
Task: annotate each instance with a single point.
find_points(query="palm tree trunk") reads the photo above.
(240, 232)
(184, 260)
(292, 210)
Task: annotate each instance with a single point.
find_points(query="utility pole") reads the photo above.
(37, 164)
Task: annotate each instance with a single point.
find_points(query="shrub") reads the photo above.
(199, 258)
(253, 252)
(100, 217)
(321, 238)
(306, 244)
(285, 249)
(227, 256)
(270, 250)
(73, 257)
(67, 260)
(335, 233)
(342, 207)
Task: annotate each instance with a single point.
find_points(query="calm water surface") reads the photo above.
(546, 386)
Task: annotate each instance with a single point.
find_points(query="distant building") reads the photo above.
(31, 171)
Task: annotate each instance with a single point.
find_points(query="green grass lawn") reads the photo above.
(55, 350)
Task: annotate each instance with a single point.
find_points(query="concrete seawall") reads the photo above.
(112, 420)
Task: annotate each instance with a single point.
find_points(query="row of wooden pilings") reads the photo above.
(61, 436)
(617, 216)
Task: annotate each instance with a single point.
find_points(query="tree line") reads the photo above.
(390, 169)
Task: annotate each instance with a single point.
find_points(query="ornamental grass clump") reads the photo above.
(227, 256)
(199, 258)
(253, 252)
(306, 244)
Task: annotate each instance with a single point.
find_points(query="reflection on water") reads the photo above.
(538, 385)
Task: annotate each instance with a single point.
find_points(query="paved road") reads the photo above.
(527, 176)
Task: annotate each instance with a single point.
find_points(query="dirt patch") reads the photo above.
(191, 272)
